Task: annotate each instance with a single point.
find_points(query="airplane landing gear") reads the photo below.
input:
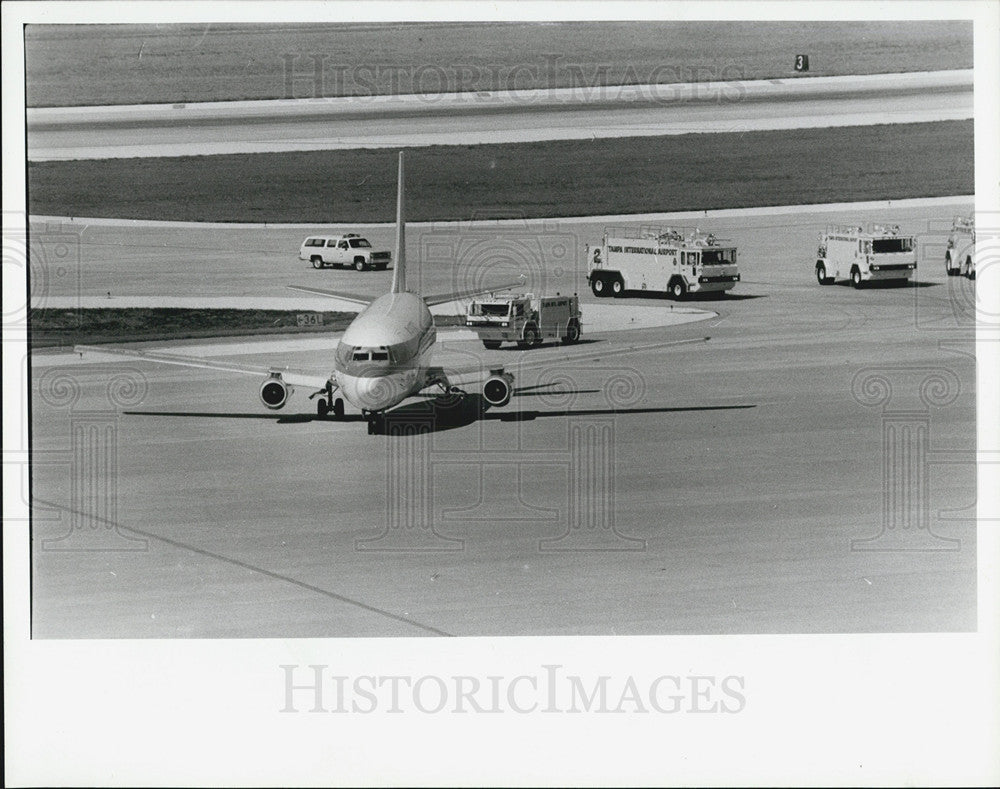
(376, 423)
(326, 404)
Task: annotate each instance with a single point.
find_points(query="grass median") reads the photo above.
(136, 64)
(64, 328)
(544, 179)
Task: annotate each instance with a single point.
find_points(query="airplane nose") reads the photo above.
(376, 393)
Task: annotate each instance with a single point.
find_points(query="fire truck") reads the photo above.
(524, 319)
(864, 254)
(677, 261)
(961, 255)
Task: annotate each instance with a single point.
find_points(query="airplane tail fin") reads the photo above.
(399, 261)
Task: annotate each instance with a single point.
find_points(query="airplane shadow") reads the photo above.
(434, 415)
(281, 419)
(438, 414)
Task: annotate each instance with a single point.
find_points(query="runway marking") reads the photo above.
(409, 120)
(475, 101)
(252, 567)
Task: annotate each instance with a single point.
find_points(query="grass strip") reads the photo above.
(561, 178)
(135, 64)
(68, 327)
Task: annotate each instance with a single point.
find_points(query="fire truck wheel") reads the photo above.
(338, 407)
(321, 407)
(572, 333)
(491, 344)
(617, 286)
(856, 278)
(599, 287)
(678, 289)
(821, 277)
(531, 336)
(317, 261)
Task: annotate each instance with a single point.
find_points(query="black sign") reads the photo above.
(801, 62)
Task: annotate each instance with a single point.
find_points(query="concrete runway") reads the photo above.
(469, 119)
(745, 477)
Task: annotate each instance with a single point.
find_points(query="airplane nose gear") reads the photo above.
(450, 396)
(325, 404)
(376, 423)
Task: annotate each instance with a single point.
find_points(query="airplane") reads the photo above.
(384, 356)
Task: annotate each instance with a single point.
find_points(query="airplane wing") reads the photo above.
(474, 374)
(292, 377)
(444, 298)
(438, 298)
(353, 298)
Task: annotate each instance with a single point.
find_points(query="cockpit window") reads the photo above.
(380, 354)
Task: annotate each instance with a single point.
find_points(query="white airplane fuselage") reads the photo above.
(384, 354)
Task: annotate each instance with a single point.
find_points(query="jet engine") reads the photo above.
(274, 392)
(498, 388)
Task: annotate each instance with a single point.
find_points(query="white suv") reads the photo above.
(346, 250)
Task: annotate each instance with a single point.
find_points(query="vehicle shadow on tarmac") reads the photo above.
(646, 295)
(548, 344)
(888, 284)
(438, 414)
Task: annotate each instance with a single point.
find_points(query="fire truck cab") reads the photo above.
(863, 254)
(677, 261)
(961, 255)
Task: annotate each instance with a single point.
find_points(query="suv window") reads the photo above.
(360, 243)
(342, 245)
(331, 242)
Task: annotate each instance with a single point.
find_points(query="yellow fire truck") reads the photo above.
(864, 254)
(677, 261)
(524, 319)
(961, 255)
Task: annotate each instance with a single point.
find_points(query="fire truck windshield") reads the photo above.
(717, 257)
(490, 309)
(885, 245)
